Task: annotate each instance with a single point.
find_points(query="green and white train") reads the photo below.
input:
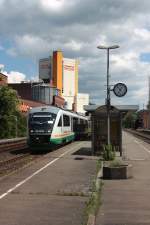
(49, 126)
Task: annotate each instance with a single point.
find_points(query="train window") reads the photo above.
(66, 120)
(60, 122)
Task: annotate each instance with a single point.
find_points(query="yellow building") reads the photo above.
(62, 73)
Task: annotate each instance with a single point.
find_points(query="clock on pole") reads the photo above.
(120, 89)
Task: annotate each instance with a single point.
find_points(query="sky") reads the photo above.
(33, 29)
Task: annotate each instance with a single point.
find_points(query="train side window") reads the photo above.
(66, 120)
(60, 122)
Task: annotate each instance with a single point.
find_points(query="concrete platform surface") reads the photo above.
(53, 191)
(127, 202)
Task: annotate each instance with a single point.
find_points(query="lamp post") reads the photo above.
(108, 103)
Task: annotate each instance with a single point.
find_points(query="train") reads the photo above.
(50, 126)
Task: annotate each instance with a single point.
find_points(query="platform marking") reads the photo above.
(137, 159)
(140, 144)
(35, 173)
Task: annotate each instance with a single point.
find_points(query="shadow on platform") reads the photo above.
(83, 152)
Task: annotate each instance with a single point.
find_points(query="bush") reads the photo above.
(12, 122)
(108, 152)
(116, 163)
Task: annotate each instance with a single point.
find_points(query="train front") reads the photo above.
(40, 126)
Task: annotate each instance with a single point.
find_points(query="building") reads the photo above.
(70, 82)
(64, 76)
(47, 94)
(25, 105)
(144, 115)
(57, 70)
(3, 79)
(23, 89)
(81, 101)
(38, 92)
(45, 70)
(122, 108)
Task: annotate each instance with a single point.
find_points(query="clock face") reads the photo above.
(120, 89)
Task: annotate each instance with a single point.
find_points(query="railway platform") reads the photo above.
(126, 202)
(53, 191)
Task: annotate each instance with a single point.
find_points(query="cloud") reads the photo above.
(1, 66)
(35, 28)
(15, 77)
(55, 5)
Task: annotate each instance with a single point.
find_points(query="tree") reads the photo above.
(11, 120)
(129, 120)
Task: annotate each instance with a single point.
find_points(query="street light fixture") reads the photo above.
(108, 88)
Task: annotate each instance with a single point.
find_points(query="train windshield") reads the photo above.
(42, 121)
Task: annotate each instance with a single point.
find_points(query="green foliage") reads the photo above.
(98, 165)
(94, 201)
(108, 152)
(9, 101)
(129, 120)
(116, 163)
(11, 120)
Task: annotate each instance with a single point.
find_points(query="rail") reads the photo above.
(13, 144)
(140, 133)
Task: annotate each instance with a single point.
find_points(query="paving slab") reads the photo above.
(56, 195)
(126, 202)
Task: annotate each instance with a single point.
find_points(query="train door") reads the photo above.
(66, 125)
(59, 126)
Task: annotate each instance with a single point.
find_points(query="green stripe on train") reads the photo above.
(63, 139)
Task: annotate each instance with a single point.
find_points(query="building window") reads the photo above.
(66, 120)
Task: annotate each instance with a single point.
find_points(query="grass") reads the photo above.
(80, 194)
(94, 202)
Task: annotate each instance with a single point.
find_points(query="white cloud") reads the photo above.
(78, 27)
(11, 52)
(55, 5)
(1, 66)
(15, 77)
(74, 45)
(31, 45)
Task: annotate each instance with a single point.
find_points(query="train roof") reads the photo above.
(54, 110)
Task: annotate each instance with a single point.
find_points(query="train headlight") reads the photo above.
(31, 131)
(49, 131)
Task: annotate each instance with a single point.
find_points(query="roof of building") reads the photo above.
(3, 74)
(122, 108)
(32, 103)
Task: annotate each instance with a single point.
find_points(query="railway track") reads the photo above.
(13, 144)
(14, 154)
(14, 163)
(140, 134)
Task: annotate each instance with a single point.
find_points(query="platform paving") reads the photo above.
(127, 202)
(55, 196)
